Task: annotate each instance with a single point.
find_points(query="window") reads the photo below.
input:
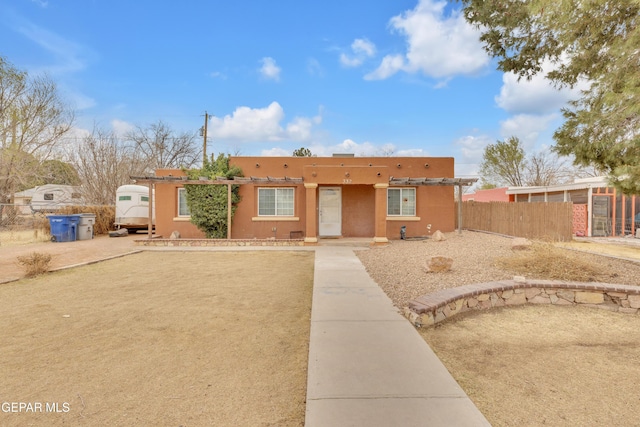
(401, 201)
(183, 208)
(275, 201)
(48, 196)
(144, 199)
(124, 198)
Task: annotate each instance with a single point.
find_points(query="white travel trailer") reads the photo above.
(132, 207)
(53, 197)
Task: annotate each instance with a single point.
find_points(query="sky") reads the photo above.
(406, 78)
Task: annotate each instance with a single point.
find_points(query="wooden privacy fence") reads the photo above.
(537, 220)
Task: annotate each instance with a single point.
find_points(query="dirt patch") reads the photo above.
(542, 365)
(614, 248)
(64, 253)
(160, 338)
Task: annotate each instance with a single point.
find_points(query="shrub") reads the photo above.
(208, 203)
(549, 262)
(105, 216)
(35, 263)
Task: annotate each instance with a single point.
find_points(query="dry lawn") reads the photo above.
(160, 338)
(21, 237)
(545, 365)
(534, 365)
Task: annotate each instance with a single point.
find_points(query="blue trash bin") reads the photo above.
(63, 227)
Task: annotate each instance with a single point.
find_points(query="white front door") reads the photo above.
(330, 211)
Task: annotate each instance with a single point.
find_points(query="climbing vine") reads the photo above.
(208, 203)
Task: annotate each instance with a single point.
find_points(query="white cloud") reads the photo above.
(78, 100)
(69, 56)
(361, 50)
(120, 127)
(535, 96)
(527, 128)
(472, 147)
(276, 152)
(269, 69)
(261, 125)
(218, 75)
(314, 68)
(439, 46)
(390, 65)
(365, 149)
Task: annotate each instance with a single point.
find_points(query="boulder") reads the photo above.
(119, 233)
(175, 235)
(438, 236)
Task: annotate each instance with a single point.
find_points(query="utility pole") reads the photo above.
(204, 141)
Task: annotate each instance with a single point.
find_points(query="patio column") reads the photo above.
(151, 203)
(311, 214)
(381, 213)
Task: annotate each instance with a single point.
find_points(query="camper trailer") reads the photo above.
(53, 197)
(132, 207)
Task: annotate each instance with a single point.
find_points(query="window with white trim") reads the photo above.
(183, 207)
(401, 202)
(275, 201)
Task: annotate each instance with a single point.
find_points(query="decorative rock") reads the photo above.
(483, 297)
(520, 243)
(634, 301)
(472, 302)
(507, 294)
(539, 299)
(175, 235)
(566, 295)
(427, 319)
(516, 299)
(438, 236)
(438, 264)
(589, 297)
(620, 295)
(119, 233)
(532, 292)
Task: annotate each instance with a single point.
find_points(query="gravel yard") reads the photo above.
(399, 267)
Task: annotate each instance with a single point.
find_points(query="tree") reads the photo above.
(162, 148)
(104, 163)
(592, 41)
(208, 202)
(58, 172)
(33, 119)
(302, 152)
(503, 162)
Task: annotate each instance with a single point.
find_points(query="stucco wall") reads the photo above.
(355, 176)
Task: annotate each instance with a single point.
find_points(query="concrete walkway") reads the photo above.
(368, 366)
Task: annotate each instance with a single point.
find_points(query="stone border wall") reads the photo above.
(219, 242)
(436, 307)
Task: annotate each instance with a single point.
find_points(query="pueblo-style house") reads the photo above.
(312, 198)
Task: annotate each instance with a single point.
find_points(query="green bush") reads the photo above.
(208, 203)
